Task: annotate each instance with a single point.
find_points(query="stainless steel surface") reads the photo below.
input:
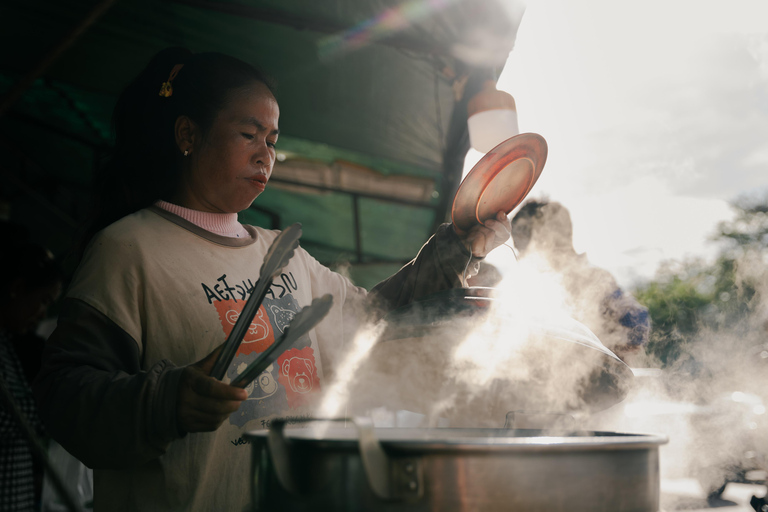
(301, 324)
(377, 466)
(277, 257)
(457, 470)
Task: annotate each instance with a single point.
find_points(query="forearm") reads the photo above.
(94, 398)
(438, 266)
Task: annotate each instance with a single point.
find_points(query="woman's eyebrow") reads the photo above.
(255, 122)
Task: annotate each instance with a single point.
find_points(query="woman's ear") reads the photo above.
(187, 134)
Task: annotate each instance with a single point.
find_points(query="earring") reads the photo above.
(186, 152)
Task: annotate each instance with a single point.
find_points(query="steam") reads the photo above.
(335, 399)
(712, 402)
(530, 351)
(524, 352)
(715, 419)
(527, 354)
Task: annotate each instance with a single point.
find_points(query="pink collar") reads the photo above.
(224, 224)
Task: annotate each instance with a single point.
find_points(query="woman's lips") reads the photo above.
(259, 181)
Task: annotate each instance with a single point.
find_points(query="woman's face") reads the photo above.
(230, 166)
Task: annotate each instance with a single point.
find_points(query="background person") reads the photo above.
(30, 281)
(617, 319)
(125, 384)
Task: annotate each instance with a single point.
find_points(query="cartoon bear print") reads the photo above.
(298, 374)
(282, 316)
(259, 335)
(266, 382)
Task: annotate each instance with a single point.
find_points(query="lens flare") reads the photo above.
(382, 26)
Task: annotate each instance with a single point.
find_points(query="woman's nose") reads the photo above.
(263, 154)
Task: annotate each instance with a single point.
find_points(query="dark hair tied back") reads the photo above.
(145, 162)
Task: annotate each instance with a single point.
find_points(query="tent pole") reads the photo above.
(358, 233)
(456, 147)
(73, 35)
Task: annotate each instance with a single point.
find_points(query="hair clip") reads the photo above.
(166, 90)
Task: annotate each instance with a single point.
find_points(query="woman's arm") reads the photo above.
(438, 266)
(94, 398)
(99, 405)
(441, 264)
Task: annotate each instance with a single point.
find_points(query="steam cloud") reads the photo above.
(525, 352)
(711, 401)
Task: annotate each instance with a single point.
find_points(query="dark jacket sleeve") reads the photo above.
(95, 399)
(438, 266)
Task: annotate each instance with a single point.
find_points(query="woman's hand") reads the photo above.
(482, 239)
(204, 402)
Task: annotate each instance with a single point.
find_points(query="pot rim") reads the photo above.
(470, 439)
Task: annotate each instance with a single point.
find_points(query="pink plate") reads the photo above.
(499, 181)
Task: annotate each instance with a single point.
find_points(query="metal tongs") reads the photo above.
(301, 324)
(277, 257)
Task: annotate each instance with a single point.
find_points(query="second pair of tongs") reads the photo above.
(275, 260)
(301, 324)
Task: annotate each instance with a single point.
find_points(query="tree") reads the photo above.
(748, 231)
(688, 297)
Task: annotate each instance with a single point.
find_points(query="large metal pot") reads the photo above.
(488, 470)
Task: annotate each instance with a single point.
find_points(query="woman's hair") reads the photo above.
(144, 165)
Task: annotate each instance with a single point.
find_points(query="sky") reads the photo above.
(656, 118)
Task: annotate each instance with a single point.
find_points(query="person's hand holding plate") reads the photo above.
(493, 188)
(483, 238)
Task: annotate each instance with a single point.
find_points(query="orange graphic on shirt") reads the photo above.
(259, 335)
(299, 375)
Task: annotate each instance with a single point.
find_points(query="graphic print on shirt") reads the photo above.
(264, 384)
(286, 384)
(282, 316)
(299, 375)
(259, 335)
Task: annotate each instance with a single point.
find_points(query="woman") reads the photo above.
(125, 384)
